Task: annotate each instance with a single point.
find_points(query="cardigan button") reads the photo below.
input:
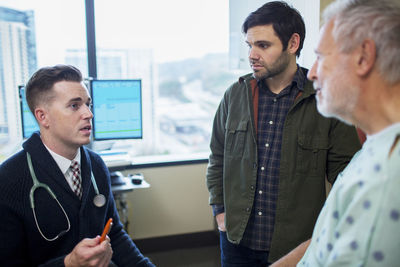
(254, 165)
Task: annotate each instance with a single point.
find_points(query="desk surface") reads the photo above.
(128, 186)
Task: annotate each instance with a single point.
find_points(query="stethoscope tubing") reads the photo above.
(36, 185)
(99, 200)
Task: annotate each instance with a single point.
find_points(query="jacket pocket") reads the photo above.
(312, 154)
(235, 139)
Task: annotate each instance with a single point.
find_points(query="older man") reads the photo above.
(356, 78)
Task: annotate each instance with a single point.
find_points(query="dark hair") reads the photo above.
(285, 21)
(38, 88)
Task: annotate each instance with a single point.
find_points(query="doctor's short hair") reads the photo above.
(358, 20)
(39, 87)
(285, 21)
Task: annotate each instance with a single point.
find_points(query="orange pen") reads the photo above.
(106, 230)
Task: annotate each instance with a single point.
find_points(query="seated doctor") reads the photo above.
(55, 194)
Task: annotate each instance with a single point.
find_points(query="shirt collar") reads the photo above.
(62, 162)
(391, 128)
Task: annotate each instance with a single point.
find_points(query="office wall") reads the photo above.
(324, 4)
(176, 203)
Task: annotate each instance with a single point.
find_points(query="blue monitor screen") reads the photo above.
(29, 123)
(117, 109)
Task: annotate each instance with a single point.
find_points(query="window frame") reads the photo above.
(92, 73)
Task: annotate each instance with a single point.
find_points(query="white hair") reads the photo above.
(357, 20)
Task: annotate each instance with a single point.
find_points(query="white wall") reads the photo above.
(176, 203)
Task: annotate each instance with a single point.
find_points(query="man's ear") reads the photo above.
(366, 57)
(41, 117)
(294, 43)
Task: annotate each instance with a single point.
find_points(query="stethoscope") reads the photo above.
(99, 200)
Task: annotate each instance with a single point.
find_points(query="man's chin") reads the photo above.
(330, 114)
(258, 76)
(323, 110)
(85, 141)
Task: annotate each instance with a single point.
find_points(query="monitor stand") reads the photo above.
(100, 146)
(115, 158)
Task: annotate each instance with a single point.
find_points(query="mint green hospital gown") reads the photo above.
(360, 222)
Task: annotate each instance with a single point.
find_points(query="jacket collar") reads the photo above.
(307, 87)
(44, 163)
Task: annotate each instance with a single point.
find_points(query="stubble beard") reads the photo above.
(279, 66)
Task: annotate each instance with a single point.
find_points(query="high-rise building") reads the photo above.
(17, 62)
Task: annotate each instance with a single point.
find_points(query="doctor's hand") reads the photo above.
(221, 221)
(90, 252)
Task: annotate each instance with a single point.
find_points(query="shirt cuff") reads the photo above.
(217, 209)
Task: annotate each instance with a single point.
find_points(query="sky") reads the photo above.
(175, 29)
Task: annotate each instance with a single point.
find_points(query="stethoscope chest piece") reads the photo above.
(99, 200)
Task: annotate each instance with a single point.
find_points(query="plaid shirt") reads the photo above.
(272, 111)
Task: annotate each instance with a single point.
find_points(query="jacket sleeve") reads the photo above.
(344, 143)
(57, 262)
(12, 241)
(216, 159)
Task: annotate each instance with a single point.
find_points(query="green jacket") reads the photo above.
(313, 147)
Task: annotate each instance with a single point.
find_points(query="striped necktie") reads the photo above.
(76, 178)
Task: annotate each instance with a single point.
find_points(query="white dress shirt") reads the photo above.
(64, 164)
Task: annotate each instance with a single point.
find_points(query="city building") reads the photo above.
(17, 62)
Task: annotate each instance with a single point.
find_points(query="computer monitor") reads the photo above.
(117, 109)
(28, 121)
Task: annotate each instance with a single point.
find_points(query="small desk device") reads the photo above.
(117, 178)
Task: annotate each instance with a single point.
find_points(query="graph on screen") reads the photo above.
(117, 109)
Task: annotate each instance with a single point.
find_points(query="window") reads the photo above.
(32, 35)
(186, 53)
(180, 51)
